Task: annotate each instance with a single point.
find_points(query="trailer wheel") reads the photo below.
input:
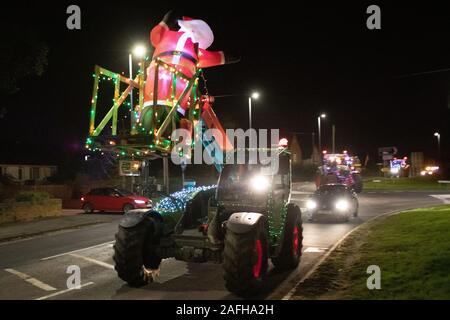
(134, 249)
(291, 248)
(245, 261)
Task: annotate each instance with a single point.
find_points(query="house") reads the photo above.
(24, 172)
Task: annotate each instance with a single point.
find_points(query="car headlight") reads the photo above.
(259, 182)
(139, 201)
(342, 205)
(311, 204)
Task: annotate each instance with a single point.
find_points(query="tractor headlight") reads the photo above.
(259, 183)
(139, 201)
(311, 204)
(342, 205)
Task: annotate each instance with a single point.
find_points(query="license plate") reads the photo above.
(324, 211)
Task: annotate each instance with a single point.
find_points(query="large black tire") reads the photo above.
(291, 247)
(245, 261)
(135, 248)
(358, 183)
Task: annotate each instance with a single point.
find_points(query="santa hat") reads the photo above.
(198, 30)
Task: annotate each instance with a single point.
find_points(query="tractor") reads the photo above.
(242, 222)
(341, 169)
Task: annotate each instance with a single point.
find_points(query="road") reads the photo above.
(36, 268)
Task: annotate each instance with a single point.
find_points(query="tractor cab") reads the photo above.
(251, 186)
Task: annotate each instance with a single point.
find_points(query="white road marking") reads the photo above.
(98, 262)
(300, 192)
(315, 250)
(443, 197)
(35, 282)
(78, 250)
(63, 291)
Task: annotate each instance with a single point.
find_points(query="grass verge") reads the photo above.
(419, 183)
(412, 250)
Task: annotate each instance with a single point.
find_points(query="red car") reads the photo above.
(113, 199)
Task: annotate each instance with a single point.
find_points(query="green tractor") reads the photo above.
(244, 221)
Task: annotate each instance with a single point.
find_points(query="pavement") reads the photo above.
(69, 219)
(37, 267)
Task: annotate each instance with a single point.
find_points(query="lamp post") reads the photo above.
(138, 52)
(438, 136)
(323, 115)
(255, 95)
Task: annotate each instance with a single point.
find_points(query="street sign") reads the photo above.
(387, 151)
(388, 157)
(129, 168)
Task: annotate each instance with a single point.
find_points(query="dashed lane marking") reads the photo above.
(35, 282)
(79, 250)
(63, 291)
(98, 262)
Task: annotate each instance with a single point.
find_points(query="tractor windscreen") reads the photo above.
(241, 181)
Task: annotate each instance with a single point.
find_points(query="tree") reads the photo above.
(22, 54)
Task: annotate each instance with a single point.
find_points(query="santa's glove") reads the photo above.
(171, 20)
(231, 58)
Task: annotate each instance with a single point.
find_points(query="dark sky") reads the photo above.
(303, 59)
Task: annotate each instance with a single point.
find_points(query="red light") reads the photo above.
(283, 143)
(82, 199)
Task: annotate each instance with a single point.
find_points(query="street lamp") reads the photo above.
(323, 115)
(438, 136)
(139, 52)
(255, 95)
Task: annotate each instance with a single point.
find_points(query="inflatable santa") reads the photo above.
(180, 50)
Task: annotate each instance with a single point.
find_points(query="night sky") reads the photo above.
(303, 59)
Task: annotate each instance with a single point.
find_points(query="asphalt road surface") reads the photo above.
(36, 268)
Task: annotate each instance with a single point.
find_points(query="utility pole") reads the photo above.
(333, 138)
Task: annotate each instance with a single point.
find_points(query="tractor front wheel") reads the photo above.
(245, 261)
(134, 250)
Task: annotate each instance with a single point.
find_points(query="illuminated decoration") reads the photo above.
(339, 167)
(177, 201)
(169, 94)
(398, 166)
(283, 143)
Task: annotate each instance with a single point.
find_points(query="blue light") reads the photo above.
(177, 201)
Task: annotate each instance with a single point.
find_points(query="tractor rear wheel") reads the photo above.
(291, 248)
(134, 249)
(245, 261)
